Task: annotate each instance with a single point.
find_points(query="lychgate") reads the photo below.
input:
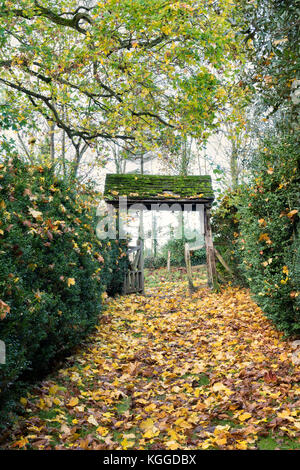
(162, 192)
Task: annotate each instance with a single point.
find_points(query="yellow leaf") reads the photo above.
(125, 443)
(53, 390)
(150, 430)
(244, 416)
(147, 424)
(173, 435)
(285, 270)
(292, 213)
(265, 237)
(70, 281)
(42, 404)
(73, 402)
(219, 387)
(102, 431)
(221, 441)
(151, 407)
(92, 420)
(172, 445)
(151, 433)
(262, 222)
(21, 443)
(181, 422)
(241, 445)
(284, 414)
(283, 356)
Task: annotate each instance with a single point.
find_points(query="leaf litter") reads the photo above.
(169, 371)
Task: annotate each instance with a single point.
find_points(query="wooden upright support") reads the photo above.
(141, 267)
(169, 261)
(210, 253)
(187, 257)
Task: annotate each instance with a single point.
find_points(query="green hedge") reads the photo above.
(177, 253)
(155, 262)
(269, 225)
(261, 225)
(53, 269)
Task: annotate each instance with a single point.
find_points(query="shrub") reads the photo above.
(116, 265)
(226, 229)
(258, 226)
(53, 269)
(177, 253)
(269, 240)
(155, 262)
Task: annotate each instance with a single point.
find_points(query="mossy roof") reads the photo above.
(158, 187)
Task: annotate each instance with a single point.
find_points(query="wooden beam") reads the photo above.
(195, 248)
(223, 262)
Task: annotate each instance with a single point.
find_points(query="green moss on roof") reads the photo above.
(151, 187)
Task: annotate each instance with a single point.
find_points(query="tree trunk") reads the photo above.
(52, 142)
(210, 254)
(154, 234)
(169, 261)
(63, 147)
(234, 166)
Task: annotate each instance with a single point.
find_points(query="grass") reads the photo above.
(275, 441)
(123, 405)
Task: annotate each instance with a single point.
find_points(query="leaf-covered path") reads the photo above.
(170, 371)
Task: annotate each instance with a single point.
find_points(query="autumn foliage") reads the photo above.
(53, 269)
(260, 224)
(168, 371)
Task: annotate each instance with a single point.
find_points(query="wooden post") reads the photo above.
(141, 266)
(210, 254)
(187, 257)
(169, 261)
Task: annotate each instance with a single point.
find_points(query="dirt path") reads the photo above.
(169, 371)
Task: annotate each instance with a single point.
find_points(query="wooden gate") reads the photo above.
(134, 278)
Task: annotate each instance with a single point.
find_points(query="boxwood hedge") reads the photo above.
(259, 226)
(53, 269)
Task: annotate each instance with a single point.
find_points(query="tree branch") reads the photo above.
(56, 18)
(85, 135)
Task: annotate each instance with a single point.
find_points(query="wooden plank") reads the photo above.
(136, 261)
(195, 248)
(134, 278)
(223, 262)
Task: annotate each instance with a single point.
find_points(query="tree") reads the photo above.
(180, 156)
(271, 33)
(126, 69)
